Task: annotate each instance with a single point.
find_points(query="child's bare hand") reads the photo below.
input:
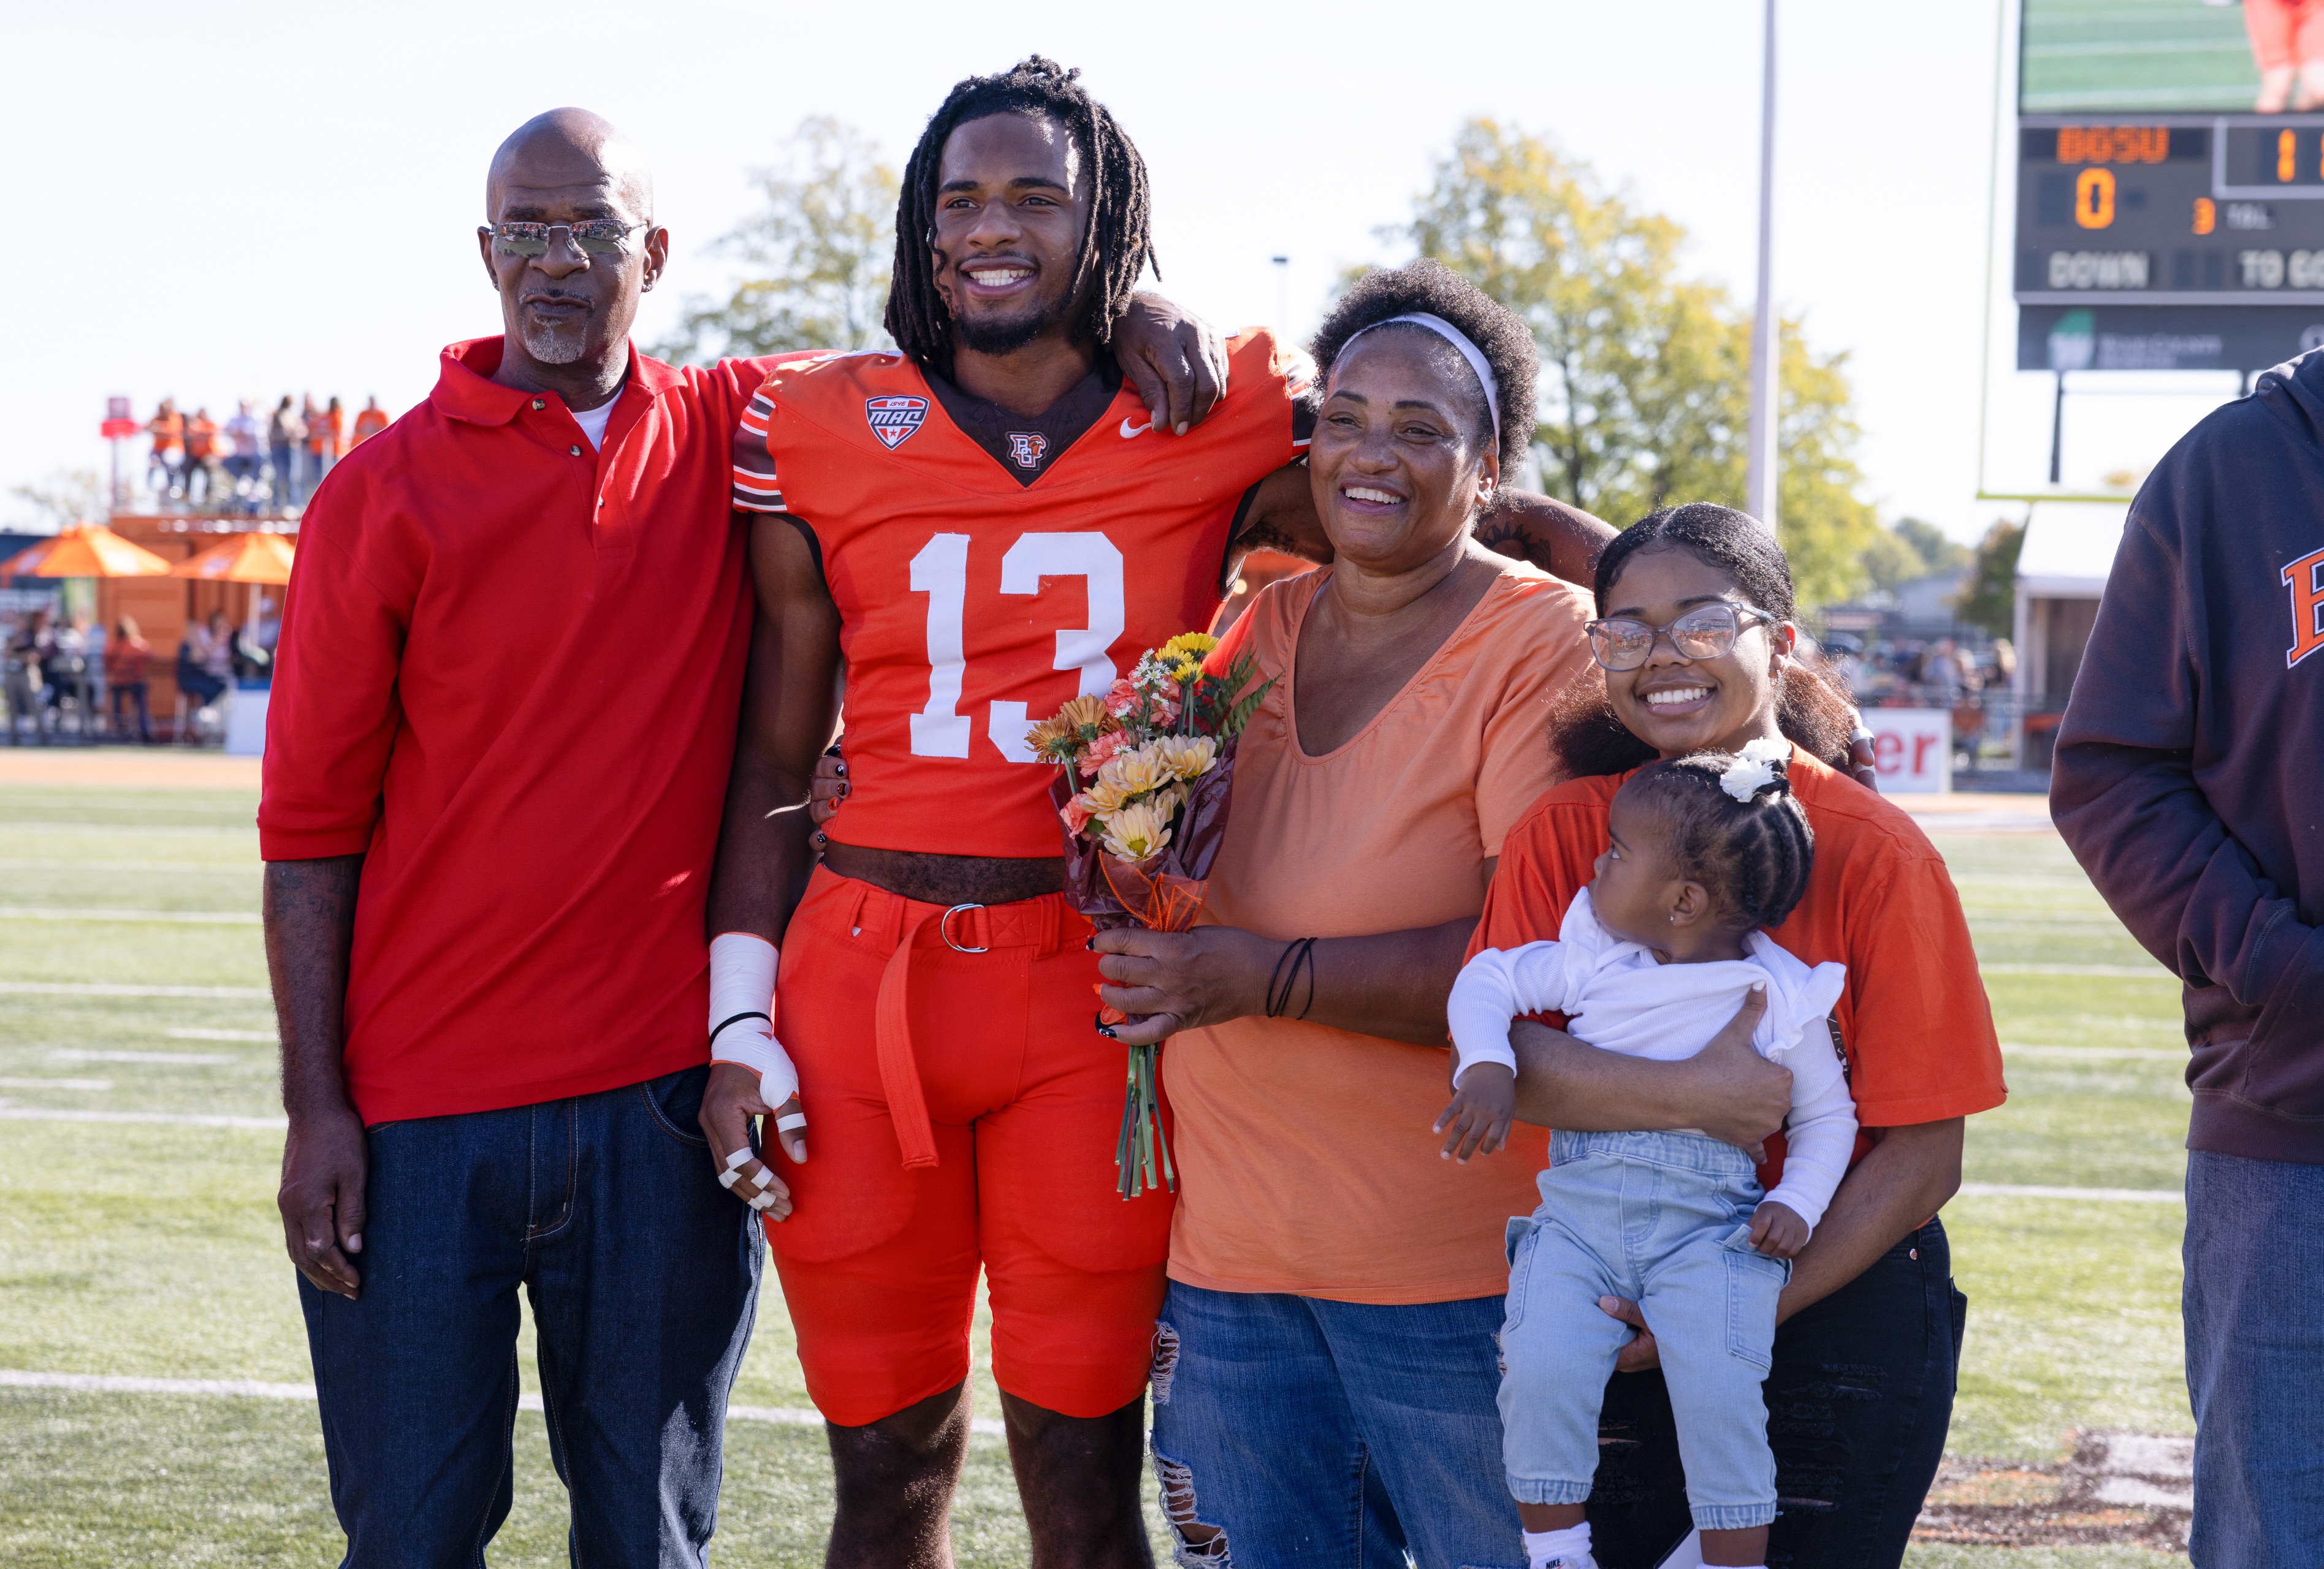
(1777, 1231)
(1483, 1102)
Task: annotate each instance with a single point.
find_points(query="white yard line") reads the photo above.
(25, 1114)
(237, 869)
(174, 917)
(105, 989)
(2104, 1195)
(56, 1084)
(2116, 971)
(258, 1390)
(166, 1059)
(266, 1036)
(2069, 1053)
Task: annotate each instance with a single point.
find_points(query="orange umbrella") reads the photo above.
(245, 558)
(85, 550)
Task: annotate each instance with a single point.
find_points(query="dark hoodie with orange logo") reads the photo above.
(2190, 775)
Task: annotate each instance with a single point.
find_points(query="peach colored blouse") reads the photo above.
(1306, 1163)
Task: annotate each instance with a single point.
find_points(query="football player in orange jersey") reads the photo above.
(980, 526)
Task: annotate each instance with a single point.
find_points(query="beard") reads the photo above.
(556, 344)
(1006, 334)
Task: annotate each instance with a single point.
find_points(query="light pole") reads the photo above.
(1763, 459)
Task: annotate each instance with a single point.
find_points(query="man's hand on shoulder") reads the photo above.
(1563, 540)
(1175, 359)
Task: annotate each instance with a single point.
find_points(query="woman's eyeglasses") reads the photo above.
(597, 236)
(1705, 632)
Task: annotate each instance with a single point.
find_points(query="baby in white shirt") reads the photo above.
(1652, 961)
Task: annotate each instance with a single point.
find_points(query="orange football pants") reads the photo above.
(2284, 33)
(963, 1112)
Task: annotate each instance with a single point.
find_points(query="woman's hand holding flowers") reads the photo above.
(1168, 981)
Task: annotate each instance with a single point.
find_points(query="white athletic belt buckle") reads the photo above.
(944, 929)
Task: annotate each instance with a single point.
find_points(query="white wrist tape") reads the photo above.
(743, 983)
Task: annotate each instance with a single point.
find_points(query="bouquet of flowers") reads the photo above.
(1143, 774)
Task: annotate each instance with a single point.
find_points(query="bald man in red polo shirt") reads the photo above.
(511, 669)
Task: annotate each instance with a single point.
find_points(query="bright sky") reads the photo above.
(240, 202)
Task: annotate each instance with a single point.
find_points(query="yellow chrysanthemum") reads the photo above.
(1187, 756)
(1135, 772)
(1102, 798)
(1188, 646)
(1138, 831)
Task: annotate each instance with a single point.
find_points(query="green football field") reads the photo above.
(2162, 55)
(138, 1235)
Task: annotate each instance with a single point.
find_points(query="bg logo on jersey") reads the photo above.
(1028, 449)
(894, 418)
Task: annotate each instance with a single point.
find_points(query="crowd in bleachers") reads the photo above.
(252, 462)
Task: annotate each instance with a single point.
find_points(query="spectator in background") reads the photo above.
(168, 429)
(206, 661)
(285, 434)
(370, 420)
(125, 658)
(28, 651)
(266, 631)
(2185, 784)
(311, 416)
(249, 454)
(327, 434)
(202, 457)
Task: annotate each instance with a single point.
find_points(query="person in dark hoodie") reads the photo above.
(2189, 770)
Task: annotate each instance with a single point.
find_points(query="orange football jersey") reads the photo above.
(974, 605)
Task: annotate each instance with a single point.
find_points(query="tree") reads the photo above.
(1910, 549)
(1989, 597)
(1646, 398)
(817, 257)
(65, 496)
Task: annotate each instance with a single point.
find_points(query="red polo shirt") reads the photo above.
(509, 675)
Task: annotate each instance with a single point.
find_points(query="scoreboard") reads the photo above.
(2169, 241)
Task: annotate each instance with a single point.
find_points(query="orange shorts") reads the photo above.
(1023, 1104)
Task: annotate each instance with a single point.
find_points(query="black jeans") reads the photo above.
(132, 691)
(1857, 1408)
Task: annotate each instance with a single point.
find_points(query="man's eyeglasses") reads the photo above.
(1705, 632)
(596, 236)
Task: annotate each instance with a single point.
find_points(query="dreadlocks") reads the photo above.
(1116, 246)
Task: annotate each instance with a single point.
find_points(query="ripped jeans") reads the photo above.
(1663, 1219)
(1299, 1433)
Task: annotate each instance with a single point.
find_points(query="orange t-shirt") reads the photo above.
(1305, 1161)
(1914, 1021)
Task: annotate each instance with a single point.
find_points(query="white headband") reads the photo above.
(1458, 340)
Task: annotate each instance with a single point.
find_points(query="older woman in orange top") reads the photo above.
(1696, 647)
(1324, 1374)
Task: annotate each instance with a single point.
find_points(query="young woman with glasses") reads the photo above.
(1693, 642)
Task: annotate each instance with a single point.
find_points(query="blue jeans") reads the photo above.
(1331, 1435)
(1858, 1405)
(1663, 1219)
(2255, 1356)
(643, 1274)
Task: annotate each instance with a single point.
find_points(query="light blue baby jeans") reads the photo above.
(1663, 1219)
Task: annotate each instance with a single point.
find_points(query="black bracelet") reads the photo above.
(737, 1020)
(1285, 978)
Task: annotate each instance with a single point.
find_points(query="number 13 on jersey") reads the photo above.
(940, 571)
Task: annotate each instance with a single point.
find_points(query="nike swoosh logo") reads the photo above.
(1128, 431)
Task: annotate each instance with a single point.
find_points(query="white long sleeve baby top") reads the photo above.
(1618, 998)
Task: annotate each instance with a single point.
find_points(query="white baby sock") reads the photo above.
(1569, 1547)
